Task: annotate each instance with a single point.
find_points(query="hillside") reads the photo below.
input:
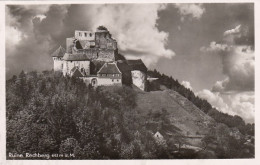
(182, 113)
(51, 114)
(166, 82)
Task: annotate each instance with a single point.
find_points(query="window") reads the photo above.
(112, 80)
(109, 45)
(90, 34)
(117, 80)
(79, 34)
(86, 34)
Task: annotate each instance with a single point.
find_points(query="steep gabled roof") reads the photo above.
(83, 43)
(78, 45)
(75, 57)
(59, 52)
(137, 65)
(109, 68)
(123, 66)
(76, 73)
(74, 68)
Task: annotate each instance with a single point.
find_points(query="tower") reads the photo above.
(57, 57)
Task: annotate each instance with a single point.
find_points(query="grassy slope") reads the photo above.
(183, 114)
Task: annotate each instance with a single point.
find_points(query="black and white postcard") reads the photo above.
(151, 81)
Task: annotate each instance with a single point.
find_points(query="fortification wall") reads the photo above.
(69, 45)
(106, 55)
(58, 63)
(104, 41)
(108, 81)
(139, 79)
(68, 65)
(91, 53)
(84, 35)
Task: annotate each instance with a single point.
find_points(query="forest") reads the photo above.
(48, 113)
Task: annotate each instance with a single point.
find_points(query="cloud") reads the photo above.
(40, 17)
(134, 26)
(136, 30)
(241, 104)
(220, 86)
(24, 49)
(36, 8)
(236, 30)
(13, 35)
(186, 84)
(238, 62)
(215, 100)
(234, 94)
(137, 35)
(193, 10)
(239, 66)
(240, 35)
(215, 47)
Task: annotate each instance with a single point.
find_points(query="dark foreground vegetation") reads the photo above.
(49, 114)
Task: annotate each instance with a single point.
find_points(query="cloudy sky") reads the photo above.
(209, 48)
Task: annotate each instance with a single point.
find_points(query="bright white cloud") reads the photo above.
(238, 62)
(194, 10)
(220, 86)
(12, 34)
(40, 16)
(215, 100)
(135, 29)
(186, 84)
(40, 9)
(239, 66)
(231, 35)
(236, 30)
(235, 94)
(241, 104)
(134, 26)
(24, 50)
(214, 47)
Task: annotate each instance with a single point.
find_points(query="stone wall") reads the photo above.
(84, 35)
(139, 79)
(101, 81)
(106, 55)
(58, 63)
(68, 65)
(108, 81)
(105, 41)
(89, 80)
(69, 45)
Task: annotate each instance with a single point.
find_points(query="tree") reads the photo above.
(101, 27)
(208, 139)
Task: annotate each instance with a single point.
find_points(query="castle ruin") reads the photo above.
(94, 57)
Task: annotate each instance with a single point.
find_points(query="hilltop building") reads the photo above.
(94, 57)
